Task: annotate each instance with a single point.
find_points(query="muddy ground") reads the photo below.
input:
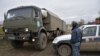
(7, 50)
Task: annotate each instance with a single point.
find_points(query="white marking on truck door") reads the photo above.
(38, 23)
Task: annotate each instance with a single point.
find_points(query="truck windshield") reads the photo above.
(21, 12)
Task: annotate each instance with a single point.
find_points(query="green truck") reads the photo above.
(32, 24)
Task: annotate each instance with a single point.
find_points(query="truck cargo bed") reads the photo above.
(52, 22)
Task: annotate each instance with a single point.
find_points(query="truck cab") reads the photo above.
(90, 41)
(25, 24)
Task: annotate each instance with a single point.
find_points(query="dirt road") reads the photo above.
(7, 50)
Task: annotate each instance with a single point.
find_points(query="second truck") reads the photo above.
(32, 24)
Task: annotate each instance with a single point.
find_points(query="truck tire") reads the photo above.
(16, 44)
(41, 42)
(64, 50)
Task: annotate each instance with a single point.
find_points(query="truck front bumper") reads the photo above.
(17, 36)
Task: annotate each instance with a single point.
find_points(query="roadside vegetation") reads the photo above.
(1, 32)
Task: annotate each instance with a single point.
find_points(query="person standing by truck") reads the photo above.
(76, 38)
(58, 32)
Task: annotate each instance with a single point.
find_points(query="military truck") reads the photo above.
(31, 24)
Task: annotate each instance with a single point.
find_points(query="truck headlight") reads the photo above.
(26, 29)
(6, 30)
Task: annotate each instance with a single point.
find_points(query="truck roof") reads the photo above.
(53, 14)
(25, 7)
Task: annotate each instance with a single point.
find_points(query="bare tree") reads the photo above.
(81, 22)
(97, 20)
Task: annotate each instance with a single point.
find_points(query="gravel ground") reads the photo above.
(7, 50)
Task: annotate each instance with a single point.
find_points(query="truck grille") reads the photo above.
(15, 30)
(16, 34)
(19, 36)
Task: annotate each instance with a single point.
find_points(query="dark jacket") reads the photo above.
(76, 35)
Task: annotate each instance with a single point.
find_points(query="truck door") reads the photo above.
(38, 19)
(88, 43)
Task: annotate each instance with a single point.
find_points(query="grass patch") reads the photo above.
(1, 30)
(1, 33)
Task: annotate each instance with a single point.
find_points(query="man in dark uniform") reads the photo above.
(76, 38)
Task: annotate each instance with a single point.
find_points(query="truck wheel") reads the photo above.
(16, 44)
(64, 50)
(41, 42)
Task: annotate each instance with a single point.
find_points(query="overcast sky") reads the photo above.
(67, 10)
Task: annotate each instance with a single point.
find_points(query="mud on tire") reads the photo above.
(41, 42)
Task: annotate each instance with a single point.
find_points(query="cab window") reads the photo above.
(90, 31)
(36, 13)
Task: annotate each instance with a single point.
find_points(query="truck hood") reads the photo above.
(63, 37)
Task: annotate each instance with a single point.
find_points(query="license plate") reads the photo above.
(11, 38)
